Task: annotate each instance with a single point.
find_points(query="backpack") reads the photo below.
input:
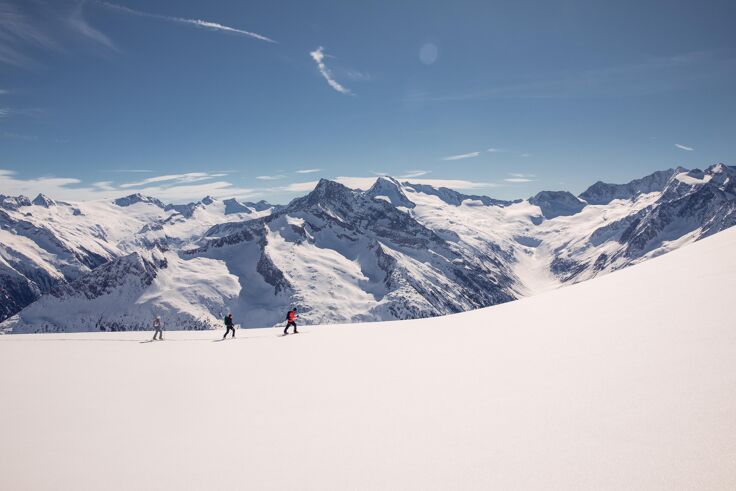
(288, 314)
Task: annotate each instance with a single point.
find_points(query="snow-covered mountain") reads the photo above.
(395, 251)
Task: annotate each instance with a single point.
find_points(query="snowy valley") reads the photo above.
(395, 251)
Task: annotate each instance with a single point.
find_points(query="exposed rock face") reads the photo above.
(557, 203)
(138, 198)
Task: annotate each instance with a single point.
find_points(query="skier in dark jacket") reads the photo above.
(158, 329)
(291, 318)
(229, 325)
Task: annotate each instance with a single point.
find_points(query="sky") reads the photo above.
(180, 99)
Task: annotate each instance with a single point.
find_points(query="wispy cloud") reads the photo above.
(318, 56)
(525, 155)
(414, 173)
(308, 171)
(519, 178)
(462, 156)
(72, 189)
(9, 135)
(271, 178)
(132, 171)
(177, 179)
(193, 22)
(78, 23)
(33, 27)
(684, 147)
(497, 150)
(299, 187)
(104, 185)
(20, 32)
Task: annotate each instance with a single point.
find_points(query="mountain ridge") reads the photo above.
(397, 250)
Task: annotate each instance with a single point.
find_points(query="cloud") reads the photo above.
(78, 23)
(318, 56)
(518, 177)
(462, 156)
(134, 171)
(194, 22)
(20, 32)
(299, 187)
(270, 178)
(9, 135)
(497, 150)
(308, 171)
(40, 26)
(683, 147)
(414, 173)
(72, 189)
(177, 179)
(58, 187)
(525, 155)
(104, 185)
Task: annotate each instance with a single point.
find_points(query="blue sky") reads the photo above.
(181, 99)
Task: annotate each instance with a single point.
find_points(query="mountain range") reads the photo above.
(395, 251)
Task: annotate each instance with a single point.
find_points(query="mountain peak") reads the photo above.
(43, 200)
(720, 168)
(389, 189)
(327, 188)
(232, 206)
(602, 193)
(138, 198)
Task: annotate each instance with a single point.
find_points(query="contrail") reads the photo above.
(195, 22)
(318, 56)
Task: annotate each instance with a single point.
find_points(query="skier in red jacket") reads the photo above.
(291, 318)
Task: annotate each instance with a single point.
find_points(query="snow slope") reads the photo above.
(626, 381)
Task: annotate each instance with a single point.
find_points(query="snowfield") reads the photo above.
(626, 381)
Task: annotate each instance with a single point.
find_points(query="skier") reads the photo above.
(158, 330)
(229, 325)
(291, 318)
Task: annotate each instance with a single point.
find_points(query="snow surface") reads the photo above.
(626, 381)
